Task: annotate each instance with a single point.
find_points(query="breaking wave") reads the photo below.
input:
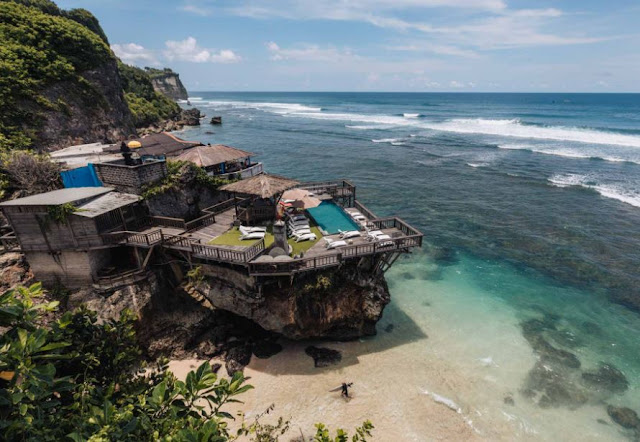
(612, 191)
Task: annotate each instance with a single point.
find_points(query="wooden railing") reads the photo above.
(364, 210)
(178, 241)
(333, 188)
(228, 255)
(223, 206)
(205, 220)
(166, 221)
(136, 238)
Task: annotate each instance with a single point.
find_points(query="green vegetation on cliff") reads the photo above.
(39, 47)
(147, 105)
(78, 378)
(56, 66)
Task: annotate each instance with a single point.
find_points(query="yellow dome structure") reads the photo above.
(134, 144)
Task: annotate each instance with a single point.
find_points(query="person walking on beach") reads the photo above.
(345, 389)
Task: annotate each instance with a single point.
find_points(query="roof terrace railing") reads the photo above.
(333, 188)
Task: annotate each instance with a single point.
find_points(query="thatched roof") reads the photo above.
(262, 186)
(163, 143)
(205, 156)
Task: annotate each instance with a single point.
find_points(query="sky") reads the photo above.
(380, 45)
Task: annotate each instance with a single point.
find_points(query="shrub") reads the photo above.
(27, 173)
(80, 379)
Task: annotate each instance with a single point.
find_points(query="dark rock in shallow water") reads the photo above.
(624, 416)
(389, 328)
(323, 357)
(444, 255)
(407, 275)
(554, 382)
(602, 421)
(591, 328)
(532, 332)
(266, 349)
(508, 400)
(607, 377)
(237, 358)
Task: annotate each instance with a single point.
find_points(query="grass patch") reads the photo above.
(299, 247)
(232, 238)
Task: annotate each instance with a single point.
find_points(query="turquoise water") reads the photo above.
(530, 205)
(331, 218)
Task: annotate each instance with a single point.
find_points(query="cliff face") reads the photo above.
(337, 304)
(95, 113)
(66, 88)
(168, 83)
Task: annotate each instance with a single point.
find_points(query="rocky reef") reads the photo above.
(337, 304)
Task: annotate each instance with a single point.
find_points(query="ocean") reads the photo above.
(520, 315)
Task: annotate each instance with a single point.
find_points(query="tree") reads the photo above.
(78, 379)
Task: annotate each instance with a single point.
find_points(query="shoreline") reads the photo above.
(452, 367)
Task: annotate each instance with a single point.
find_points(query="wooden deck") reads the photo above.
(193, 237)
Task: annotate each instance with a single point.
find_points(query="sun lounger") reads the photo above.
(350, 234)
(298, 218)
(299, 232)
(333, 243)
(253, 235)
(306, 237)
(247, 229)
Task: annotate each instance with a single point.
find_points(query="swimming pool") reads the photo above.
(331, 218)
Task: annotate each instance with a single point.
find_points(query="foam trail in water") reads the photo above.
(278, 108)
(629, 156)
(612, 191)
(505, 128)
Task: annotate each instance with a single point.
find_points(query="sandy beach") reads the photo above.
(446, 360)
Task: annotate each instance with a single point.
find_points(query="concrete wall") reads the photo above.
(130, 179)
(72, 269)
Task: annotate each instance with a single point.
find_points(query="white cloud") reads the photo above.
(309, 52)
(188, 50)
(202, 11)
(478, 24)
(133, 53)
(456, 84)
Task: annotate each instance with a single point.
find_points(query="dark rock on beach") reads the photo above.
(323, 357)
(607, 377)
(624, 416)
(266, 349)
(237, 358)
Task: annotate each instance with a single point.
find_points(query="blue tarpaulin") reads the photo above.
(81, 177)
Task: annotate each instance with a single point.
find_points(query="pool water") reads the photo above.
(331, 218)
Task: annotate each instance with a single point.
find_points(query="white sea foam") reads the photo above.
(505, 128)
(386, 140)
(613, 191)
(195, 98)
(406, 115)
(278, 108)
(514, 128)
(631, 156)
(476, 165)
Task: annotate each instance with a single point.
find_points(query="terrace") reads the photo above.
(215, 236)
